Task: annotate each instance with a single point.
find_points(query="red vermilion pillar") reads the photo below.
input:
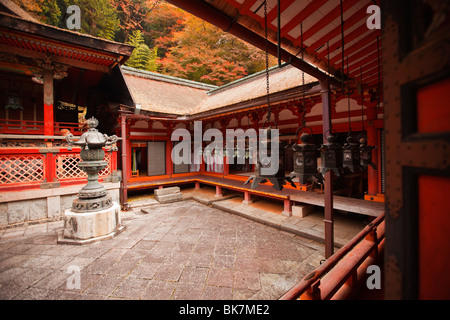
(218, 191)
(124, 136)
(372, 140)
(48, 103)
(247, 198)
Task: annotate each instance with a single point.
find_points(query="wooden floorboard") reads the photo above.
(360, 206)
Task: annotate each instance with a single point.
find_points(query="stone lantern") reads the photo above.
(305, 161)
(94, 215)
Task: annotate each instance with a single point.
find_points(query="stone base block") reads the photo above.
(286, 213)
(82, 228)
(164, 191)
(168, 198)
(302, 211)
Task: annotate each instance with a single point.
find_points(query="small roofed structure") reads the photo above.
(51, 79)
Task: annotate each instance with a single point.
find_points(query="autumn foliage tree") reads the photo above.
(132, 13)
(166, 39)
(205, 53)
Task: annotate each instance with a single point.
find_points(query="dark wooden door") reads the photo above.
(416, 95)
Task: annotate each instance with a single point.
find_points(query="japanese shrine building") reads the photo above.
(52, 78)
(51, 81)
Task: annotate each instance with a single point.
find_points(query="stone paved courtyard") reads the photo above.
(184, 250)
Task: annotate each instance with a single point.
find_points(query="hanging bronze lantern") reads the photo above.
(366, 153)
(278, 179)
(331, 155)
(305, 160)
(351, 155)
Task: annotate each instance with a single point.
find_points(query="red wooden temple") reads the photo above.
(389, 83)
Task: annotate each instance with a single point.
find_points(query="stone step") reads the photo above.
(167, 198)
(302, 210)
(163, 191)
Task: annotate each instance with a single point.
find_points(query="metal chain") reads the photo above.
(269, 112)
(303, 77)
(362, 100)
(348, 99)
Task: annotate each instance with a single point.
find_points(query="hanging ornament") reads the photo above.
(350, 150)
(364, 149)
(305, 154)
(331, 155)
(351, 155)
(366, 153)
(305, 160)
(278, 179)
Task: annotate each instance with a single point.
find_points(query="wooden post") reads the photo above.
(218, 191)
(48, 103)
(328, 219)
(124, 159)
(247, 199)
(372, 140)
(287, 208)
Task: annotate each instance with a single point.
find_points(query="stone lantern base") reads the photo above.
(87, 227)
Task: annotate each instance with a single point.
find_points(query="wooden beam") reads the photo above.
(62, 60)
(273, 13)
(302, 15)
(356, 47)
(329, 17)
(245, 8)
(349, 22)
(348, 38)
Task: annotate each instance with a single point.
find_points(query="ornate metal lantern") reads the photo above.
(331, 155)
(351, 155)
(305, 160)
(278, 179)
(93, 196)
(366, 153)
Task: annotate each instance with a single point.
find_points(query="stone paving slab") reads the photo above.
(183, 250)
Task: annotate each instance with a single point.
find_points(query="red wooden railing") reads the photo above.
(24, 168)
(37, 127)
(341, 275)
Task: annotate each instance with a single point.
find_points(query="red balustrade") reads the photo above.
(37, 127)
(25, 168)
(342, 275)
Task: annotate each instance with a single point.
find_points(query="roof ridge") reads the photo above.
(248, 78)
(166, 78)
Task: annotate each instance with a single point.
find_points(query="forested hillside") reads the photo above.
(167, 40)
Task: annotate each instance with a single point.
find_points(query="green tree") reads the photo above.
(98, 17)
(142, 57)
(47, 11)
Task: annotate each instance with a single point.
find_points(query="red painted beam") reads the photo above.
(349, 37)
(274, 12)
(356, 47)
(364, 53)
(348, 23)
(245, 8)
(373, 58)
(329, 17)
(302, 15)
(219, 19)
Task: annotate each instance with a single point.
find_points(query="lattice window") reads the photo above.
(66, 167)
(19, 169)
